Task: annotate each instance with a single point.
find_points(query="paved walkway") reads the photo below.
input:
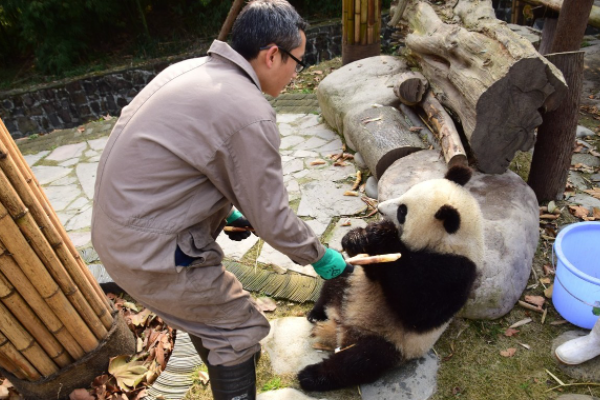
(65, 164)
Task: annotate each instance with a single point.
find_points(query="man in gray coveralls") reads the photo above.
(199, 139)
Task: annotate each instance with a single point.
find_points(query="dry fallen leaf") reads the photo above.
(203, 377)
(81, 129)
(521, 323)
(351, 193)
(508, 352)
(536, 300)
(596, 213)
(548, 270)
(347, 222)
(266, 304)
(318, 162)
(548, 292)
(579, 211)
(510, 332)
(80, 394)
(415, 128)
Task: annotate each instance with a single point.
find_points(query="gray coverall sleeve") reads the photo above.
(251, 177)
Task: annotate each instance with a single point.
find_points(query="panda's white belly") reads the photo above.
(364, 309)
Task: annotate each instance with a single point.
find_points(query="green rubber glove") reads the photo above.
(331, 265)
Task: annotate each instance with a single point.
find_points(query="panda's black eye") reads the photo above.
(402, 210)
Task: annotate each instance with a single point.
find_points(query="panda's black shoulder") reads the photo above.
(426, 288)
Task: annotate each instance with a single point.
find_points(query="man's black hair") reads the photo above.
(263, 22)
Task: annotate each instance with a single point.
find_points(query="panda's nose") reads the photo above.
(387, 208)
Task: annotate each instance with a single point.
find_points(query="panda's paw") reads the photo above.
(354, 242)
(313, 378)
(316, 314)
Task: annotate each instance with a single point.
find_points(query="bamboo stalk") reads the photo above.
(10, 199)
(6, 365)
(19, 281)
(377, 26)
(35, 271)
(21, 177)
(350, 22)
(18, 308)
(14, 358)
(357, 21)
(25, 343)
(370, 21)
(363, 21)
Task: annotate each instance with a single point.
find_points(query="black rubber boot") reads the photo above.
(237, 382)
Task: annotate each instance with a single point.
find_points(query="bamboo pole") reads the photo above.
(10, 199)
(371, 22)
(17, 278)
(350, 22)
(6, 365)
(35, 271)
(25, 343)
(377, 14)
(363, 22)
(20, 310)
(357, 21)
(21, 177)
(16, 360)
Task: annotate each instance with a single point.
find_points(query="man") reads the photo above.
(198, 139)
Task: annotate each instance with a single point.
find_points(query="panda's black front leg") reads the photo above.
(377, 238)
(363, 362)
(331, 294)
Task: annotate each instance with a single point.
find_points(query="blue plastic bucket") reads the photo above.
(577, 281)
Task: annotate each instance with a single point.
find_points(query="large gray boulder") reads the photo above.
(358, 86)
(510, 212)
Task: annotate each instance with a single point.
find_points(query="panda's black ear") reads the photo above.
(450, 216)
(459, 174)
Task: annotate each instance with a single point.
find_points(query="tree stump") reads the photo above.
(493, 80)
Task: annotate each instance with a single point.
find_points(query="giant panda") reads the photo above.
(382, 314)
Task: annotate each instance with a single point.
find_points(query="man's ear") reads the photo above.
(270, 56)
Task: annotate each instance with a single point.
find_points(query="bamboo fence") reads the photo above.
(361, 21)
(52, 310)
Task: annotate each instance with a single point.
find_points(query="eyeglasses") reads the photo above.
(299, 64)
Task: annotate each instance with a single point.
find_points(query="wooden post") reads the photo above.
(233, 13)
(556, 136)
(571, 25)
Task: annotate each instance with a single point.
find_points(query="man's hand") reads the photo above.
(237, 220)
(332, 265)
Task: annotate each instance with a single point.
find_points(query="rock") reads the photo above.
(587, 371)
(371, 187)
(585, 200)
(289, 346)
(577, 180)
(321, 199)
(359, 161)
(595, 178)
(358, 86)
(343, 226)
(283, 394)
(582, 131)
(510, 212)
(586, 159)
(381, 135)
(415, 379)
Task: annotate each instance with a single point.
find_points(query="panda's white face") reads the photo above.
(440, 216)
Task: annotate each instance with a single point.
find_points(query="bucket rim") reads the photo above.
(561, 255)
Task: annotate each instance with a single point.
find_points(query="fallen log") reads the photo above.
(444, 128)
(410, 87)
(492, 79)
(556, 5)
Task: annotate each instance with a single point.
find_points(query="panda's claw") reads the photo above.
(316, 315)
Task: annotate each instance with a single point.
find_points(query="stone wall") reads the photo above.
(69, 103)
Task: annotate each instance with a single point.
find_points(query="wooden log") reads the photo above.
(556, 5)
(554, 145)
(547, 35)
(381, 135)
(29, 190)
(25, 343)
(15, 276)
(20, 366)
(36, 272)
(410, 87)
(454, 152)
(31, 231)
(21, 311)
(425, 132)
(233, 13)
(572, 22)
(492, 79)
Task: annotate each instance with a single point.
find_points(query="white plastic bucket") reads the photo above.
(577, 281)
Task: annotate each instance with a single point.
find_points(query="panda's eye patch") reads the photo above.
(402, 211)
